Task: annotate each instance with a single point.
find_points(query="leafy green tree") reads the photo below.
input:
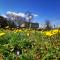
(3, 22)
(48, 25)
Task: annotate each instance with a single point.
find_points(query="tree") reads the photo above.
(48, 25)
(3, 22)
(11, 24)
(29, 17)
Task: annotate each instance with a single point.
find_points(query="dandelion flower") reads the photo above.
(18, 30)
(1, 34)
(27, 34)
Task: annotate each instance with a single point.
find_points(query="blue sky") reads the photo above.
(45, 9)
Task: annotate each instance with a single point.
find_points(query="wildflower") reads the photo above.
(28, 34)
(56, 31)
(47, 33)
(50, 33)
(1, 34)
(18, 30)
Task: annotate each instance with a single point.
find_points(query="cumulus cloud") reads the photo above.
(21, 14)
(14, 15)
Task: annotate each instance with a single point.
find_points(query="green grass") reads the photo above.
(34, 47)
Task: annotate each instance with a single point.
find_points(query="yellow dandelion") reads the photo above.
(49, 34)
(1, 34)
(18, 30)
(28, 34)
(55, 31)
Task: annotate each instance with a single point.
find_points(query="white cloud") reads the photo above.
(35, 15)
(4, 16)
(14, 15)
(21, 14)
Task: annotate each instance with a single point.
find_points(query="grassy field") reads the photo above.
(33, 45)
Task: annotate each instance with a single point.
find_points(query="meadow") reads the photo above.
(33, 44)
